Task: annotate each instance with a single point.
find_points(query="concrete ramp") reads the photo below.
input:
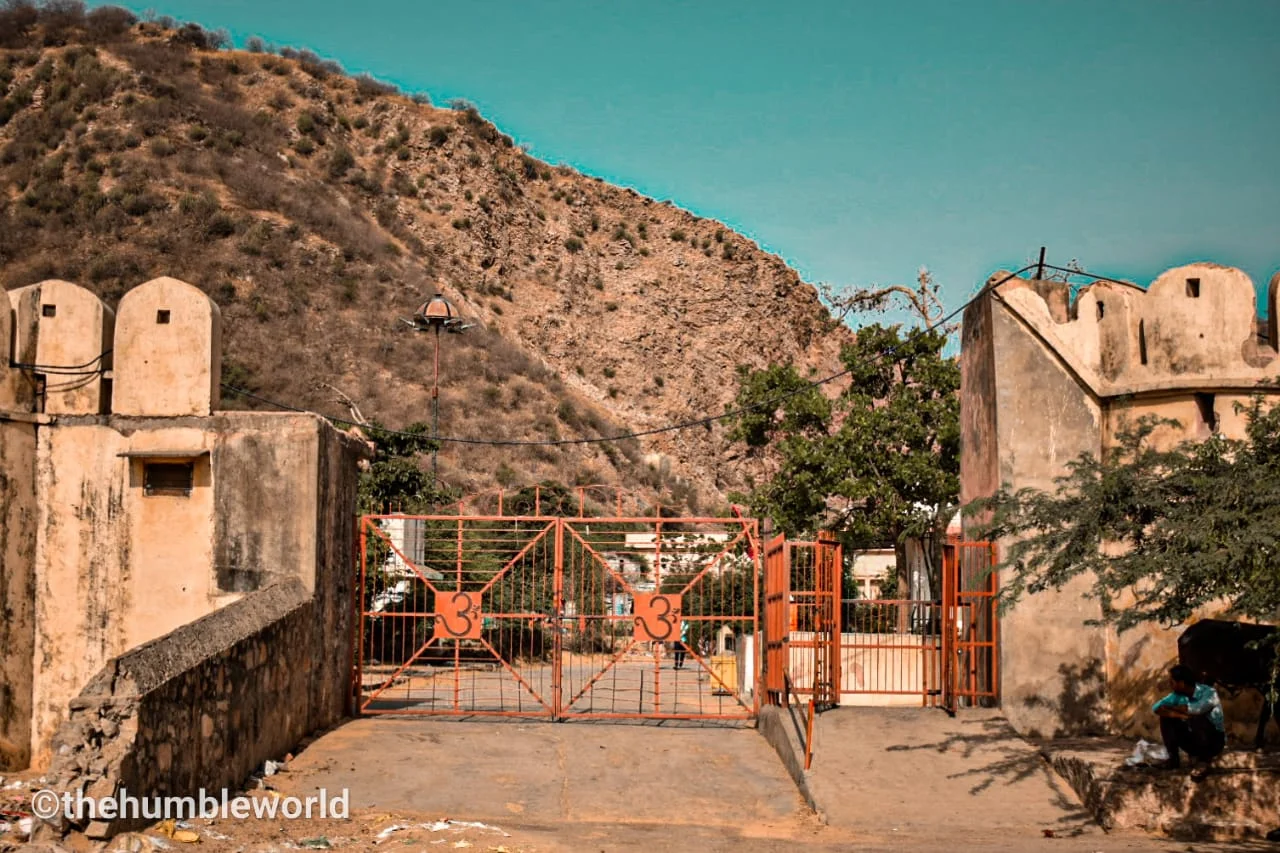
(718, 782)
(897, 773)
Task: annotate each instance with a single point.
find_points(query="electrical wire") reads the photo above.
(699, 422)
(67, 369)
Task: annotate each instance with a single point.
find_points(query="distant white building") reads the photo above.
(406, 535)
(869, 570)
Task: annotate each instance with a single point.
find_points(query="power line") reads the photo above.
(699, 422)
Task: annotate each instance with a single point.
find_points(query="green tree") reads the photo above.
(1158, 533)
(395, 477)
(877, 464)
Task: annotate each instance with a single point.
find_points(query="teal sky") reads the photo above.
(859, 140)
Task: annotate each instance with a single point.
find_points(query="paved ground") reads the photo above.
(544, 774)
(920, 776)
(888, 779)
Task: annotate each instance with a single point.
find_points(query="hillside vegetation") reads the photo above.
(318, 209)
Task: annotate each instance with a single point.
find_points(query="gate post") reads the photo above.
(357, 623)
(950, 628)
(557, 644)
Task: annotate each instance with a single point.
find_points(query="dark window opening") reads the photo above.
(168, 478)
(162, 316)
(49, 310)
(1142, 341)
(1101, 310)
(1208, 415)
(1193, 288)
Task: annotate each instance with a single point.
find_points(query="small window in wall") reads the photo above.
(1193, 288)
(162, 316)
(1208, 413)
(49, 310)
(1142, 341)
(168, 478)
(1101, 309)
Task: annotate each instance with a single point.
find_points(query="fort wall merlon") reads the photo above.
(67, 353)
(1195, 326)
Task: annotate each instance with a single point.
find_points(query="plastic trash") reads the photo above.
(1147, 753)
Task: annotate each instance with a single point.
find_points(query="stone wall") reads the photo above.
(205, 705)
(1044, 379)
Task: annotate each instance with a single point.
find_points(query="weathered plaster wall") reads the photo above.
(205, 705)
(1039, 387)
(92, 562)
(118, 568)
(17, 590)
(82, 559)
(265, 461)
(1051, 666)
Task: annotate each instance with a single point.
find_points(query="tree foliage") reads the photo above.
(395, 476)
(878, 463)
(1158, 533)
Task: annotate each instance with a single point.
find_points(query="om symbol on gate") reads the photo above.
(457, 616)
(657, 617)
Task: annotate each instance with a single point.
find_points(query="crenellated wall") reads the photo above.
(1045, 378)
(131, 506)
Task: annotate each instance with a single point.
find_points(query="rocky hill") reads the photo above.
(318, 209)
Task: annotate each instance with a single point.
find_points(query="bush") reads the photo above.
(220, 225)
(305, 146)
(107, 23)
(306, 123)
(59, 17)
(341, 162)
(193, 35)
(254, 44)
(161, 147)
(462, 224)
(677, 236)
(573, 244)
(17, 19)
(368, 87)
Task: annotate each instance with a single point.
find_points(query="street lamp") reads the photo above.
(436, 314)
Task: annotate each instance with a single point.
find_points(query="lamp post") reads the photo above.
(436, 314)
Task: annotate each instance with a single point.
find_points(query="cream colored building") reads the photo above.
(1046, 378)
(130, 504)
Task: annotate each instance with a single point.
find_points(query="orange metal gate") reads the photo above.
(562, 618)
(971, 624)
(883, 650)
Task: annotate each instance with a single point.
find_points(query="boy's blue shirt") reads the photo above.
(1204, 701)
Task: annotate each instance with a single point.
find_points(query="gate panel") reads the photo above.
(654, 609)
(455, 615)
(777, 631)
(973, 626)
(560, 618)
(814, 579)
